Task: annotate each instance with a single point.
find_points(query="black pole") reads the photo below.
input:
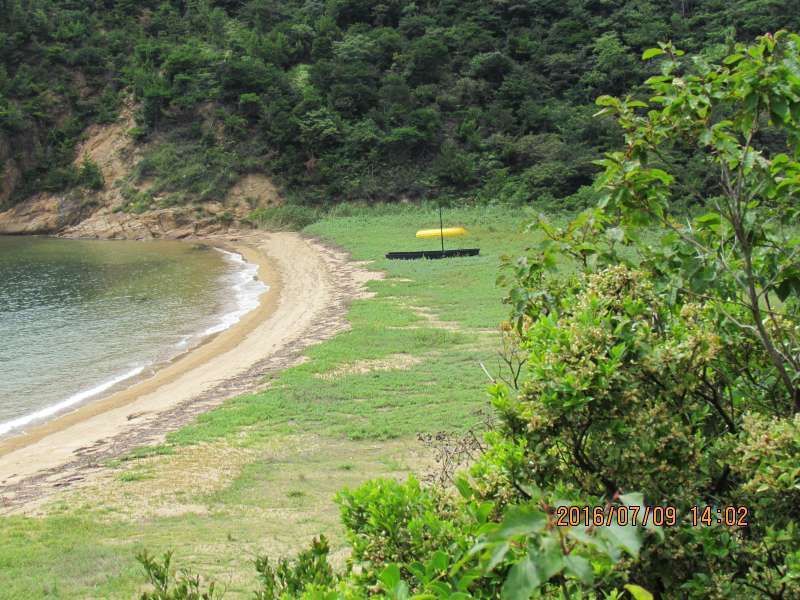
(441, 228)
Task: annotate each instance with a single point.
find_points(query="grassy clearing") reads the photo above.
(460, 289)
(259, 473)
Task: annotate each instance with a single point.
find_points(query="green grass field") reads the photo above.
(259, 473)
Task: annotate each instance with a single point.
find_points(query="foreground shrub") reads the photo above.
(620, 389)
(166, 586)
(390, 522)
(669, 362)
(288, 579)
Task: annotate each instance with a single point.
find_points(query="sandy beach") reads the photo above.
(310, 285)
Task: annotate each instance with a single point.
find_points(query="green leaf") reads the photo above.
(652, 53)
(636, 498)
(521, 521)
(618, 350)
(708, 222)
(464, 488)
(708, 218)
(439, 561)
(780, 109)
(498, 554)
(794, 109)
(417, 570)
(580, 568)
(638, 592)
(586, 249)
(442, 590)
(615, 234)
(606, 100)
(550, 559)
(522, 580)
(626, 537)
(392, 582)
(790, 283)
(661, 175)
(390, 576)
(482, 511)
(466, 581)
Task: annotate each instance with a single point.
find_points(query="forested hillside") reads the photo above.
(345, 99)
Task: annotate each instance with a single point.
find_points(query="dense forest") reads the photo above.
(345, 99)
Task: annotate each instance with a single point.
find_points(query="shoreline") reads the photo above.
(151, 370)
(311, 286)
(167, 371)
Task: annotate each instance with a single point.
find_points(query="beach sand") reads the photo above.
(310, 285)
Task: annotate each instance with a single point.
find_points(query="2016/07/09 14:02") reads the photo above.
(659, 516)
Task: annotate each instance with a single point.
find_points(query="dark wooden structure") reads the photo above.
(433, 254)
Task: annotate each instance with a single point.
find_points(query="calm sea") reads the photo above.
(80, 318)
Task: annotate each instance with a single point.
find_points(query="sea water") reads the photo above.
(80, 319)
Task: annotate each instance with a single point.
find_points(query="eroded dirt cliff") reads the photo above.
(103, 213)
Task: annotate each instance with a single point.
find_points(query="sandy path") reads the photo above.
(310, 286)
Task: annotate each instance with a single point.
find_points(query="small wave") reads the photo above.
(247, 289)
(53, 409)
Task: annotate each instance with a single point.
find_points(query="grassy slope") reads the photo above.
(259, 473)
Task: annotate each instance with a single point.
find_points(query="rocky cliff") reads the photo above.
(103, 213)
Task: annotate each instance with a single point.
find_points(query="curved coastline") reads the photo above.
(123, 380)
(206, 350)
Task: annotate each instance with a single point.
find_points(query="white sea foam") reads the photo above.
(246, 289)
(53, 409)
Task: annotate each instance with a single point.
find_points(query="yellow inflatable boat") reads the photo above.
(447, 232)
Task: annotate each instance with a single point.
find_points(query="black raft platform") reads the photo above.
(433, 254)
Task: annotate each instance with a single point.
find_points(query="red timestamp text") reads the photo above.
(730, 516)
(599, 516)
(658, 516)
